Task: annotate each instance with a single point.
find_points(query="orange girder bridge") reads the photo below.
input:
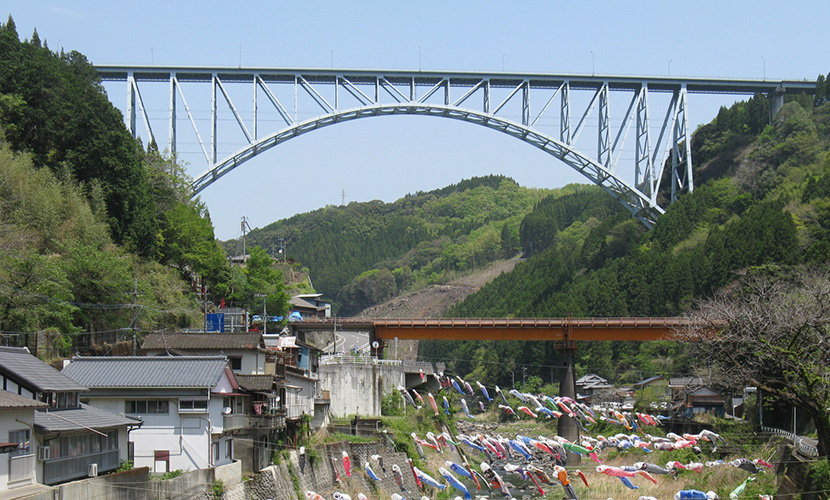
(538, 329)
(564, 331)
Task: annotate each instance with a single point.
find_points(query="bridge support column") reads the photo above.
(776, 101)
(568, 427)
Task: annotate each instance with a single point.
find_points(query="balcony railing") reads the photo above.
(21, 467)
(276, 421)
(265, 421)
(66, 468)
(234, 422)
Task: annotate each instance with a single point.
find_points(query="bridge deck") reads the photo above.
(544, 329)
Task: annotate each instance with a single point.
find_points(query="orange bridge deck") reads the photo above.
(542, 329)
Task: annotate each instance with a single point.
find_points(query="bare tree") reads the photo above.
(772, 332)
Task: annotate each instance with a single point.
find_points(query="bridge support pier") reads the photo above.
(568, 427)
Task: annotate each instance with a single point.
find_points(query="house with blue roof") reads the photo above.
(186, 405)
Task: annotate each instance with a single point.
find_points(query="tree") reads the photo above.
(776, 337)
(262, 279)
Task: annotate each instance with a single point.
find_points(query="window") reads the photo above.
(66, 400)
(193, 406)
(23, 438)
(150, 406)
(229, 448)
(82, 444)
(215, 452)
(236, 363)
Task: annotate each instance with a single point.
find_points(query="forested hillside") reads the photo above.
(764, 201)
(365, 253)
(99, 235)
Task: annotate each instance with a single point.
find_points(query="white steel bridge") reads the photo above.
(548, 111)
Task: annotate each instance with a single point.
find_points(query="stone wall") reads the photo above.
(321, 472)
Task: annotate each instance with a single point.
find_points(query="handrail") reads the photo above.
(806, 449)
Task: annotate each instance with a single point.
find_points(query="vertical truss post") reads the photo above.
(131, 103)
(171, 128)
(447, 92)
(255, 110)
(213, 120)
(681, 156)
(604, 130)
(526, 104)
(486, 104)
(337, 83)
(565, 114)
(642, 155)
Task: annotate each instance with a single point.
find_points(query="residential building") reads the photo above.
(245, 351)
(592, 385)
(69, 439)
(189, 406)
(691, 396)
(17, 456)
(310, 306)
(259, 372)
(303, 396)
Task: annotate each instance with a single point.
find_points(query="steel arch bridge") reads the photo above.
(516, 104)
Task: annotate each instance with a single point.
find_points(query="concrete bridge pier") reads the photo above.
(568, 427)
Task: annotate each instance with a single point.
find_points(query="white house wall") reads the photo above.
(10, 385)
(187, 436)
(15, 420)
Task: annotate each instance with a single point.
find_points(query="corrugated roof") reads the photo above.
(190, 341)
(77, 419)
(260, 383)
(147, 371)
(34, 373)
(12, 400)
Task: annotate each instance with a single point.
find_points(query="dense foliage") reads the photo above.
(768, 203)
(364, 253)
(98, 235)
(53, 106)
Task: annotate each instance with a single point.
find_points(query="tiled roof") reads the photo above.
(33, 373)
(76, 419)
(147, 371)
(261, 383)
(191, 341)
(12, 400)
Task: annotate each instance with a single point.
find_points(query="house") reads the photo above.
(592, 385)
(690, 396)
(17, 418)
(68, 438)
(310, 306)
(259, 372)
(190, 406)
(303, 396)
(245, 351)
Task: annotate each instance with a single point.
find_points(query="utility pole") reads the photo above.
(244, 249)
(133, 323)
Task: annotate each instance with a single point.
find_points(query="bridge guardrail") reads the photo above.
(338, 359)
(804, 449)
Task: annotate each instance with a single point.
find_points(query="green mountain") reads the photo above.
(364, 253)
(763, 201)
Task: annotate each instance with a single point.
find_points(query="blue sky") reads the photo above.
(386, 158)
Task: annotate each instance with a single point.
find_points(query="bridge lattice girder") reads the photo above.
(495, 100)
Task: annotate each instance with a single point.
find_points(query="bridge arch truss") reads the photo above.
(550, 112)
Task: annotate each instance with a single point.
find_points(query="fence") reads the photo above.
(339, 359)
(804, 449)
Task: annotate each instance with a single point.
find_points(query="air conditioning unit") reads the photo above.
(44, 453)
(93, 470)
